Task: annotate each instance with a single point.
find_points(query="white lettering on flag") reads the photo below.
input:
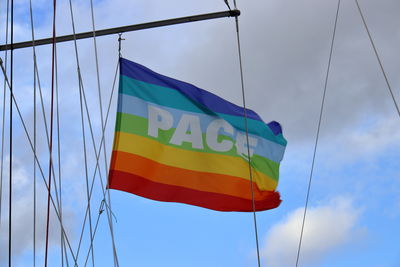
(212, 133)
(158, 119)
(189, 130)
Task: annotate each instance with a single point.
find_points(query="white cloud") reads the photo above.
(22, 215)
(369, 139)
(377, 137)
(327, 227)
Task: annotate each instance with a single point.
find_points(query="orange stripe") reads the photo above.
(192, 160)
(207, 182)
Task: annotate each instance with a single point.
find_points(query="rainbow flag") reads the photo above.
(175, 142)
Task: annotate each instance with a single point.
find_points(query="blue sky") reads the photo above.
(354, 208)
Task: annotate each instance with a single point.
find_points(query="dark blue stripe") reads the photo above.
(207, 99)
(275, 127)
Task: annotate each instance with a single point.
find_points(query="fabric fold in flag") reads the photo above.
(175, 142)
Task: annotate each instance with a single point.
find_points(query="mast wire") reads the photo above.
(86, 165)
(318, 132)
(247, 139)
(97, 165)
(62, 241)
(92, 136)
(103, 133)
(34, 136)
(45, 119)
(36, 72)
(44, 114)
(83, 133)
(51, 132)
(3, 117)
(36, 158)
(97, 168)
(227, 4)
(378, 58)
(102, 203)
(11, 140)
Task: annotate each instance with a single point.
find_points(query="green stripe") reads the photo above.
(137, 125)
(170, 98)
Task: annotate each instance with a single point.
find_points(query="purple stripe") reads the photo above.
(207, 99)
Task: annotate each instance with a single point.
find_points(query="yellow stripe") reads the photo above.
(191, 160)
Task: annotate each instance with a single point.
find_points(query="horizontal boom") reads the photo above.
(135, 27)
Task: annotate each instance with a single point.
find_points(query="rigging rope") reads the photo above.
(86, 167)
(3, 117)
(227, 4)
(105, 124)
(51, 132)
(43, 112)
(36, 76)
(36, 158)
(97, 166)
(11, 135)
(93, 141)
(318, 131)
(247, 138)
(34, 136)
(378, 58)
(83, 133)
(102, 126)
(62, 241)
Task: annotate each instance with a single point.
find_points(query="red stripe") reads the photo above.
(170, 193)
